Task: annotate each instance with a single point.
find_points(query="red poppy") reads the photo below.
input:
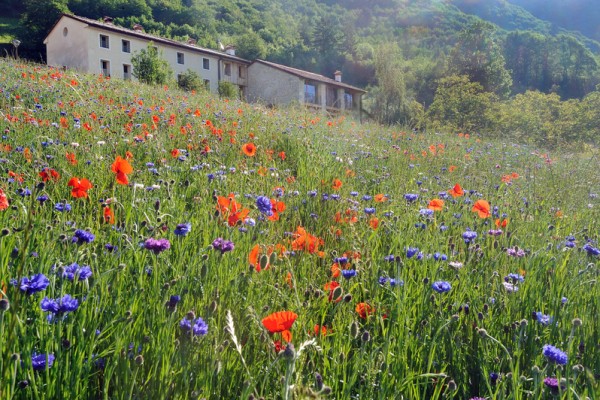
(482, 208)
(364, 310)
(174, 153)
(48, 174)
(249, 149)
(71, 158)
(380, 198)
(305, 241)
(109, 215)
(501, 224)
(80, 187)
(337, 184)
(280, 322)
(436, 205)
(320, 330)
(276, 208)
(231, 210)
(3, 200)
(456, 191)
(374, 222)
(282, 155)
(121, 167)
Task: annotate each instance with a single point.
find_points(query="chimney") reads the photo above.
(108, 20)
(337, 76)
(230, 49)
(191, 42)
(138, 28)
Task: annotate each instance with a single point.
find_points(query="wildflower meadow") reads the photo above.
(158, 244)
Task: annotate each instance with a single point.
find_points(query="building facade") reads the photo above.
(100, 47)
(104, 48)
(273, 84)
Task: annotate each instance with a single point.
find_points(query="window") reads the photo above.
(65, 31)
(228, 69)
(104, 41)
(348, 101)
(126, 46)
(205, 63)
(241, 72)
(180, 58)
(310, 93)
(126, 72)
(105, 67)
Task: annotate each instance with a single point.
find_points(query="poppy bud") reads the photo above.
(139, 359)
(354, 329)
(576, 322)
(365, 337)
(452, 385)
(4, 305)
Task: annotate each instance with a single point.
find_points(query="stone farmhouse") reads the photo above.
(101, 47)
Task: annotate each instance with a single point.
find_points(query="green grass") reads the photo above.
(8, 27)
(125, 341)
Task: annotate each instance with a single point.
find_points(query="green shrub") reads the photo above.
(190, 80)
(149, 66)
(228, 90)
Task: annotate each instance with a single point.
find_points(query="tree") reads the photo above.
(478, 56)
(190, 80)
(36, 22)
(251, 46)
(228, 90)
(460, 104)
(149, 66)
(390, 101)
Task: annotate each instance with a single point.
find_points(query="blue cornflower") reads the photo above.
(515, 278)
(469, 236)
(183, 229)
(543, 318)
(441, 286)
(394, 282)
(410, 197)
(35, 284)
(411, 251)
(426, 212)
(440, 257)
(390, 258)
(264, 205)
(82, 236)
(62, 207)
(591, 250)
(73, 270)
(341, 260)
(383, 280)
(197, 327)
(366, 197)
(157, 245)
(353, 194)
(42, 198)
(555, 355)
(369, 210)
(60, 306)
(348, 273)
(40, 362)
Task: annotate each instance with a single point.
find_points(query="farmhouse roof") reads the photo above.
(142, 35)
(309, 75)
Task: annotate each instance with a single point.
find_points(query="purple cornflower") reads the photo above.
(35, 284)
(157, 245)
(197, 327)
(60, 306)
(495, 232)
(73, 270)
(183, 229)
(80, 236)
(515, 252)
(441, 286)
(223, 245)
(555, 355)
(264, 205)
(40, 362)
(553, 384)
